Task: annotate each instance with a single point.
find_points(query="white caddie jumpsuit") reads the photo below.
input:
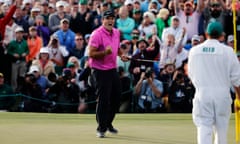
(213, 68)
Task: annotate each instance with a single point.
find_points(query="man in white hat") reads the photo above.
(18, 50)
(55, 18)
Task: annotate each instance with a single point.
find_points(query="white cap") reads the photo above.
(44, 50)
(127, 2)
(33, 68)
(60, 3)
(51, 5)
(175, 17)
(230, 38)
(26, 1)
(19, 29)
(35, 9)
(196, 37)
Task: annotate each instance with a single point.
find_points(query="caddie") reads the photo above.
(213, 67)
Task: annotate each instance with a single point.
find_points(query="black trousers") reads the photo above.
(108, 92)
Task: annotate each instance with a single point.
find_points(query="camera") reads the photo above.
(148, 72)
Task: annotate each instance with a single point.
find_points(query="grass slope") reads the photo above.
(40, 128)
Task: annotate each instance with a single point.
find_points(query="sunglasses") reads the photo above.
(78, 39)
(215, 5)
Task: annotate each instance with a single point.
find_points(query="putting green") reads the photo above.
(44, 128)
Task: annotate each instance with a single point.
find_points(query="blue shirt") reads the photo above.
(147, 93)
(66, 39)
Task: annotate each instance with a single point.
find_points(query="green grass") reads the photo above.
(39, 128)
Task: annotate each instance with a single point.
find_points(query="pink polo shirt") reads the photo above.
(100, 39)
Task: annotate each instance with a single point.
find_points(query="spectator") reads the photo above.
(45, 11)
(124, 23)
(9, 32)
(76, 20)
(35, 11)
(166, 76)
(34, 43)
(55, 18)
(65, 91)
(149, 91)
(87, 16)
(230, 41)
(18, 50)
(5, 66)
(135, 37)
(19, 18)
(51, 9)
(6, 103)
(176, 30)
(181, 92)
(79, 49)
(142, 59)
(147, 26)
(214, 11)
(129, 6)
(189, 18)
(163, 20)
(57, 54)
(41, 80)
(45, 65)
(125, 48)
(65, 35)
(42, 29)
(169, 49)
(31, 88)
(137, 17)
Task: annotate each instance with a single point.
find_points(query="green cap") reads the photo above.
(136, 11)
(70, 64)
(215, 28)
(83, 2)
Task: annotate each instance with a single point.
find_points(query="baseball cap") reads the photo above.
(230, 38)
(19, 29)
(83, 2)
(196, 37)
(44, 50)
(60, 3)
(108, 13)
(87, 36)
(128, 2)
(136, 11)
(215, 28)
(64, 20)
(188, 3)
(35, 9)
(33, 69)
(70, 65)
(175, 18)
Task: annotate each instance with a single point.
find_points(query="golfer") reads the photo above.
(104, 46)
(213, 68)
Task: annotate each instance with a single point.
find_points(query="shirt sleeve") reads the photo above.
(94, 40)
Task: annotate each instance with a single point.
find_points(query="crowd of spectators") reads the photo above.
(44, 52)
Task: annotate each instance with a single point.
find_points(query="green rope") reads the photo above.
(47, 101)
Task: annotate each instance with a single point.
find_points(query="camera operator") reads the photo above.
(65, 90)
(149, 90)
